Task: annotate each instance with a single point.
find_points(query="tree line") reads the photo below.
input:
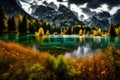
(21, 24)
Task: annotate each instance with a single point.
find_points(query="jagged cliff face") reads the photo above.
(50, 12)
(100, 20)
(62, 17)
(115, 19)
(11, 8)
(103, 15)
(103, 20)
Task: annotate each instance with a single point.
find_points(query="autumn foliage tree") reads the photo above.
(21, 24)
(40, 32)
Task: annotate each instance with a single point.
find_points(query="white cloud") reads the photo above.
(26, 7)
(65, 3)
(77, 8)
(114, 10)
(105, 7)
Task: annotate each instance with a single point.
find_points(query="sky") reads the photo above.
(84, 8)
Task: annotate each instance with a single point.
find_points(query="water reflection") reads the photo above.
(82, 52)
(76, 45)
(42, 39)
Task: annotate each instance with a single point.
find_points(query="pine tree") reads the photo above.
(23, 26)
(37, 25)
(18, 20)
(31, 28)
(112, 30)
(3, 20)
(11, 24)
(58, 30)
(69, 31)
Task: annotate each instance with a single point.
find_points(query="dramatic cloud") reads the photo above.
(26, 0)
(84, 8)
(79, 1)
(59, 0)
(88, 11)
(95, 6)
(96, 3)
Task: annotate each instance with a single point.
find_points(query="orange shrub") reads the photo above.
(14, 59)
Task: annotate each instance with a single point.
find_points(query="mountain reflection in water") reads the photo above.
(82, 52)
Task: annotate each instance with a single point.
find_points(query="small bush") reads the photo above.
(37, 72)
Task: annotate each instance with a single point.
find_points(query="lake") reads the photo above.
(64, 44)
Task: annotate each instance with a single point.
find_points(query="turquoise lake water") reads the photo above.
(64, 43)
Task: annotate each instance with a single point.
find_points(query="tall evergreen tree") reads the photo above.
(69, 30)
(23, 25)
(31, 28)
(37, 25)
(112, 30)
(3, 20)
(11, 24)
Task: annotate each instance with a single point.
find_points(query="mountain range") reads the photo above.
(12, 8)
(116, 18)
(101, 20)
(61, 16)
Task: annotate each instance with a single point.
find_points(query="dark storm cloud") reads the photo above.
(26, 0)
(88, 11)
(60, 0)
(79, 1)
(96, 3)
(82, 17)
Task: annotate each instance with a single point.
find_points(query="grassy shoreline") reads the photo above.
(20, 63)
